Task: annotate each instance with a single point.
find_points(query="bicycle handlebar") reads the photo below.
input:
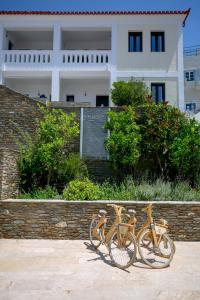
(117, 208)
(148, 208)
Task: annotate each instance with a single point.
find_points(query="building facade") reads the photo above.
(192, 79)
(74, 57)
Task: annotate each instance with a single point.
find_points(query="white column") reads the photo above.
(113, 78)
(81, 133)
(55, 81)
(180, 81)
(56, 37)
(56, 44)
(114, 46)
(55, 86)
(2, 36)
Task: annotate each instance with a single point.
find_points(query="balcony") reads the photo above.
(83, 48)
(62, 58)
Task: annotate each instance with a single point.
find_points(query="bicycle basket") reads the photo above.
(124, 228)
(160, 229)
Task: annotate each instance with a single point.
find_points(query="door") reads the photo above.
(102, 100)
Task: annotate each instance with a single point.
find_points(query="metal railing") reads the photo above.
(192, 50)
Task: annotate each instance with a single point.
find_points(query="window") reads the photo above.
(158, 92)
(70, 98)
(102, 100)
(135, 41)
(190, 106)
(157, 41)
(189, 76)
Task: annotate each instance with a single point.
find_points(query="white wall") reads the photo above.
(31, 87)
(147, 60)
(78, 87)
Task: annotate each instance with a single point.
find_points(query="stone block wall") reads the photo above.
(18, 116)
(53, 219)
(9, 177)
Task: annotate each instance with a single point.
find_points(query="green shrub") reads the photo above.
(124, 141)
(41, 161)
(134, 93)
(185, 151)
(158, 190)
(41, 193)
(160, 125)
(81, 190)
(73, 167)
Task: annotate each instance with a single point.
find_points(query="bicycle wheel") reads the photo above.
(122, 249)
(95, 239)
(156, 257)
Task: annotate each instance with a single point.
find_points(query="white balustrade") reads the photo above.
(63, 57)
(31, 57)
(87, 57)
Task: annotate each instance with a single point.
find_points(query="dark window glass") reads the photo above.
(70, 98)
(190, 106)
(157, 42)
(158, 92)
(189, 76)
(135, 41)
(102, 100)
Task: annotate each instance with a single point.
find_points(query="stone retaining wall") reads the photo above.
(43, 219)
(9, 175)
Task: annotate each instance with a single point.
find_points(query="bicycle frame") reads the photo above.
(103, 220)
(149, 223)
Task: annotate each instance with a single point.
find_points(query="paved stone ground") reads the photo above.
(55, 269)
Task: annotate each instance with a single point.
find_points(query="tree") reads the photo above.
(134, 93)
(185, 151)
(160, 125)
(42, 158)
(123, 144)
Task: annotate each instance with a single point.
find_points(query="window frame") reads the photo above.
(157, 33)
(157, 84)
(134, 34)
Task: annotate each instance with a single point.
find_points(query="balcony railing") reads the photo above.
(61, 58)
(86, 57)
(19, 57)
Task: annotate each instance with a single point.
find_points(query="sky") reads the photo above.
(191, 30)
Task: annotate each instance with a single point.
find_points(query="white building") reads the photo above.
(192, 78)
(76, 56)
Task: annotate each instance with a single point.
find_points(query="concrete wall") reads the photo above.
(52, 219)
(84, 90)
(147, 60)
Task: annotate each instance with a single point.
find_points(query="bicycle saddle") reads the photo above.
(132, 211)
(102, 212)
